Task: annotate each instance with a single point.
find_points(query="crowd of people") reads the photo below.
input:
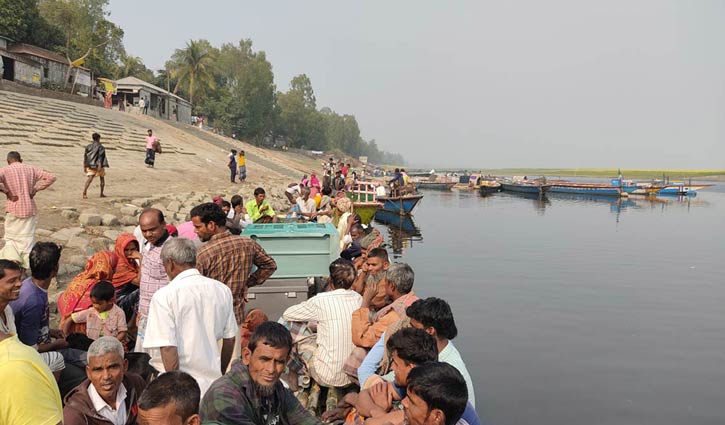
(156, 331)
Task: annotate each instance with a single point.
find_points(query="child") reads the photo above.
(104, 318)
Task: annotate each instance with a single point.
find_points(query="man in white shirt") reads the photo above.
(188, 317)
(333, 312)
(308, 207)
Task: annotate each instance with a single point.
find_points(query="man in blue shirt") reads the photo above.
(31, 307)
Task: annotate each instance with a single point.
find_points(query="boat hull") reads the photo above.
(402, 222)
(525, 188)
(587, 190)
(484, 190)
(366, 210)
(434, 185)
(400, 204)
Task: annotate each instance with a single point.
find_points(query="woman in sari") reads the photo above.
(128, 274)
(76, 296)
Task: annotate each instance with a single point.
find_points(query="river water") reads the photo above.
(576, 310)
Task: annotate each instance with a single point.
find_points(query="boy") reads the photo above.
(104, 318)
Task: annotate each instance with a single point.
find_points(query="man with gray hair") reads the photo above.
(110, 394)
(367, 328)
(368, 325)
(188, 317)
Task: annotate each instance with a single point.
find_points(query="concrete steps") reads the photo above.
(62, 126)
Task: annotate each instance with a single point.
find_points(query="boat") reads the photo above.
(402, 222)
(402, 230)
(662, 187)
(488, 187)
(538, 187)
(426, 185)
(587, 189)
(681, 189)
(364, 200)
(401, 204)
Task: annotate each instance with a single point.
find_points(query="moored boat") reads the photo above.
(364, 200)
(401, 204)
(525, 186)
(488, 187)
(425, 185)
(681, 189)
(586, 189)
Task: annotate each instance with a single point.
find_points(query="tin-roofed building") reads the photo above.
(161, 103)
(38, 67)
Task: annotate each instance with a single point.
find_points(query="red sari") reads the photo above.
(76, 296)
(126, 270)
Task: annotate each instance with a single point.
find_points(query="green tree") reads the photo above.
(245, 101)
(89, 37)
(133, 66)
(20, 20)
(299, 123)
(193, 68)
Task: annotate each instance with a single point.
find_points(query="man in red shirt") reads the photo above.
(20, 183)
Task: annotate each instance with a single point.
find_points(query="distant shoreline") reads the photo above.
(714, 175)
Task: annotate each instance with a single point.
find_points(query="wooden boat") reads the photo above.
(402, 222)
(681, 189)
(587, 189)
(525, 186)
(489, 187)
(659, 187)
(364, 200)
(401, 204)
(617, 187)
(425, 185)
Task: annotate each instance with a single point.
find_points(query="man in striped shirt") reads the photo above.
(153, 275)
(332, 311)
(20, 183)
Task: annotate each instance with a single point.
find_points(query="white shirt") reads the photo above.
(8, 328)
(191, 313)
(308, 207)
(117, 415)
(451, 356)
(333, 312)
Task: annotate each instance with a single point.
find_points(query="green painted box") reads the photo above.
(300, 249)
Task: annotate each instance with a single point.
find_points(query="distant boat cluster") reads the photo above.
(617, 187)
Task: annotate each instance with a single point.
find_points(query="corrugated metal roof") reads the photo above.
(20, 58)
(137, 82)
(22, 48)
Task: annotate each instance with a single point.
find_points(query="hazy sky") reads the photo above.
(618, 83)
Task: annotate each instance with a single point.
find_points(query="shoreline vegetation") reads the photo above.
(718, 175)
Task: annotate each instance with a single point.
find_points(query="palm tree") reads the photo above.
(193, 67)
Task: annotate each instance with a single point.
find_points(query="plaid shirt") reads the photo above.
(20, 180)
(229, 259)
(232, 399)
(153, 274)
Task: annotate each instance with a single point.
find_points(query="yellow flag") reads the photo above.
(78, 62)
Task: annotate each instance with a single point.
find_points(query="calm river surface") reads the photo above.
(580, 311)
